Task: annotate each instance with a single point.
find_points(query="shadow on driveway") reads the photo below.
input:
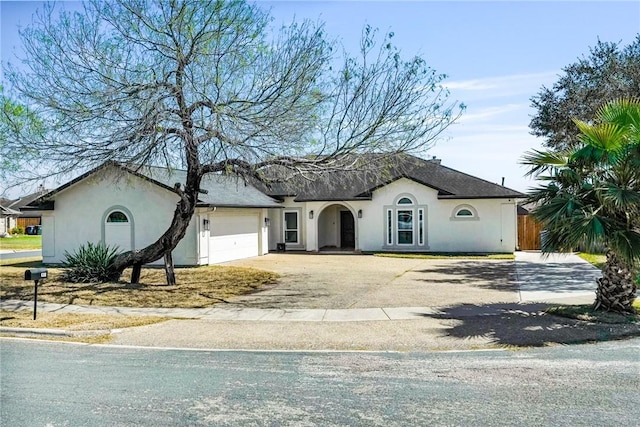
(524, 325)
(499, 275)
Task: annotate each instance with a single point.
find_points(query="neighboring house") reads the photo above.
(9, 218)
(28, 216)
(416, 205)
(131, 209)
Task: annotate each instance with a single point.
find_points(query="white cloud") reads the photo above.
(501, 86)
(492, 112)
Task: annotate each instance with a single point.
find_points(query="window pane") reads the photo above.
(405, 201)
(389, 227)
(405, 220)
(117, 216)
(405, 227)
(291, 220)
(291, 237)
(464, 212)
(405, 237)
(421, 227)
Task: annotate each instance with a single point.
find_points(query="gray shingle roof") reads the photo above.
(222, 190)
(359, 185)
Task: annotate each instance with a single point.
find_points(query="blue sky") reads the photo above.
(496, 55)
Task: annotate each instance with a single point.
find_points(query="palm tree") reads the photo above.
(590, 197)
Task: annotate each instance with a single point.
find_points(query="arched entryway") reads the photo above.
(336, 228)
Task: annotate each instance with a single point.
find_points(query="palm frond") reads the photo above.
(543, 161)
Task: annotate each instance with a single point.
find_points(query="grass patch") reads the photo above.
(587, 313)
(73, 321)
(444, 255)
(21, 242)
(597, 260)
(196, 287)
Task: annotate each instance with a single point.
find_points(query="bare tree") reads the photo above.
(204, 85)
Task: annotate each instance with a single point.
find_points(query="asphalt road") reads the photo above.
(58, 384)
(6, 255)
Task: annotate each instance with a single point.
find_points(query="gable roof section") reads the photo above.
(360, 185)
(221, 190)
(6, 211)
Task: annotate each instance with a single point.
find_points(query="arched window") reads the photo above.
(117, 216)
(464, 212)
(405, 223)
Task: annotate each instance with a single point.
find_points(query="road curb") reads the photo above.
(54, 333)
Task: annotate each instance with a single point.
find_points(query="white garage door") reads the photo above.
(233, 236)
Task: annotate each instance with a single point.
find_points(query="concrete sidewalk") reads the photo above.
(236, 313)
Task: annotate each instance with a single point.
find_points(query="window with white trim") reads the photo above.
(291, 227)
(405, 224)
(464, 213)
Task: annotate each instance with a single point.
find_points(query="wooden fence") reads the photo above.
(528, 233)
(25, 222)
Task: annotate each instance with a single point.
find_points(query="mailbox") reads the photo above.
(36, 274)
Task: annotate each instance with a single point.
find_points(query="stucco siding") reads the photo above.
(81, 211)
(485, 225)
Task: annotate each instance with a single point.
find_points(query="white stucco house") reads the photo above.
(131, 209)
(416, 206)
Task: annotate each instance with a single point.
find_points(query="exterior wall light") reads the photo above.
(267, 222)
(205, 224)
(310, 214)
(359, 213)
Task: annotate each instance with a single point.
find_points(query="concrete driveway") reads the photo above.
(365, 281)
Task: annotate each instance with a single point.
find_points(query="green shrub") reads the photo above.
(17, 230)
(90, 263)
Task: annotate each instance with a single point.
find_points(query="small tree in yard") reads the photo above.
(201, 85)
(592, 197)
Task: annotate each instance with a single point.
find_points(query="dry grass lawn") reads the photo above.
(73, 322)
(196, 287)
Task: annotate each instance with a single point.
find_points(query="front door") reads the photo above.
(347, 230)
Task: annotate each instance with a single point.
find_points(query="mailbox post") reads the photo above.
(35, 274)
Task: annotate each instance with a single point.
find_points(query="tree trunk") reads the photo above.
(135, 274)
(616, 288)
(168, 268)
(162, 247)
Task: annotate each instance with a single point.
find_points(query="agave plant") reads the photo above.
(90, 263)
(591, 197)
